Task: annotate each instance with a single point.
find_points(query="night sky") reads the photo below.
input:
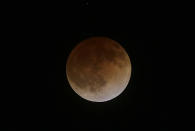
(60, 27)
(132, 29)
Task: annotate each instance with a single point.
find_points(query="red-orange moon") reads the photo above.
(98, 69)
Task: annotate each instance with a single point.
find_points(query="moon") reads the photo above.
(98, 69)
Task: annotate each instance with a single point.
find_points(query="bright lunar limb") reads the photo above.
(98, 69)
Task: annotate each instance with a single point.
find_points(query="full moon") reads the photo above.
(98, 69)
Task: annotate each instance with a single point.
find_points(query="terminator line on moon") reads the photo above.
(98, 69)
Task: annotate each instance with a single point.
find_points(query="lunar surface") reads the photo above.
(98, 69)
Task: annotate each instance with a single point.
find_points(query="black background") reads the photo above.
(41, 95)
(135, 30)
